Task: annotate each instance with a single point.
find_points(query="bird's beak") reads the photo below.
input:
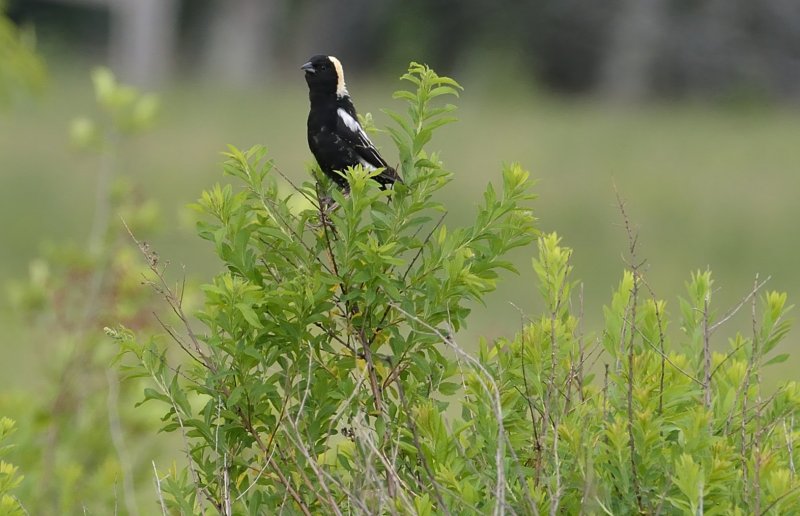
(308, 68)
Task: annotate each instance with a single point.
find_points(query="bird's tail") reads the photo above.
(388, 177)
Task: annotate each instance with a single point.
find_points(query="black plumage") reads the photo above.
(335, 136)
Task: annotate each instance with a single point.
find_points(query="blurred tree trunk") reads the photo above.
(779, 42)
(352, 30)
(725, 56)
(143, 35)
(634, 47)
(240, 48)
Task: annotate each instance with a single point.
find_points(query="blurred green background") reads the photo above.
(699, 130)
(690, 110)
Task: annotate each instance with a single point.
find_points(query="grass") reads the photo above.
(708, 187)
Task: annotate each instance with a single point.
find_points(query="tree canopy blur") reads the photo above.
(626, 49)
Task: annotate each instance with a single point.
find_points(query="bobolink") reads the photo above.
(335, 137)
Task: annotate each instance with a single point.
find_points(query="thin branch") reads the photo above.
(494, 393)
(728, 356)
(403, 279)
(632, 240)
(605, 394)
(421, 454)
(647, 341)
(226, 487)
(296, 188)
(316, 469)
(166, 292)
(117, 438)
(788, 433)
(777, 500)
(201, 493)
(174, 303)
(757, 434)
(661, 346)
(581, 348)
(706, 356)
(736, 308)
(158, 490)
(537, 446)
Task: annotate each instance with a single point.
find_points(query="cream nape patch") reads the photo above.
(341, 89)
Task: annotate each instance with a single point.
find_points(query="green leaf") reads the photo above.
(249, 314)
(777, 359)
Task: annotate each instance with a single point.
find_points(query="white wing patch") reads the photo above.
(349, 121)
(354, 126)
(367, 154)
(367, 165)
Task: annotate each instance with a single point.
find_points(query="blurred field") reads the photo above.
(707, 186)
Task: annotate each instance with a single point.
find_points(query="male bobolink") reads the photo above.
(335, 137)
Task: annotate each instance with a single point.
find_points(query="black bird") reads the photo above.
(335, 137)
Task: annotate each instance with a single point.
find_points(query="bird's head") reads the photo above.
(324, 74)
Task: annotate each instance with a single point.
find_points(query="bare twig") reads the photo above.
(163, 288)
(534, 510)
(117, 438)
(201, 493)
(552, 412)
(226, 487)
(745, 387)
(756, 358)
(366, 438)
(580, 345)
(494, 393)
(158, 491)
(788, 432)
(779, 499)
(706, 356)
(537, 445)
(634, 266)
(420, 453)
(172, 300)
(728, 356)
(605, 394)
(661, 345)
(334, 507)
(736, 308)
(395, 368)
(647, 341)
(296, 188)
(297, 469)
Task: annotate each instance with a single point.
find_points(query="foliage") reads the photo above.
(73, 446)
(9, 474)
(125, 111)
(317, 334)
(327, 378)
(673, 427)
(21, 68)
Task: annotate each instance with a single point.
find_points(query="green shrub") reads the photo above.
(78, 427)
(22, 70)
(10, 477)
(327, 378)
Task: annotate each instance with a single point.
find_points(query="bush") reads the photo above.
(327, 377)
(9, 473)
(22, 70)
(78, 427)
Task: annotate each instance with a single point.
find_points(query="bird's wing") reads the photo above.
(350, 130)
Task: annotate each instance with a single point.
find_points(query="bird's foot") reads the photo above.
(327, 204)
